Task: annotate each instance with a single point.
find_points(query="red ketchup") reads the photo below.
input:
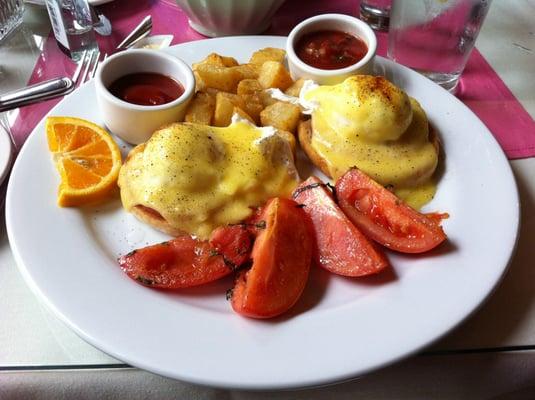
(330, 49)
(146, 89)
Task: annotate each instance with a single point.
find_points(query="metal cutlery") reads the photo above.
(86, 70)
(139, 32)
(52, 88)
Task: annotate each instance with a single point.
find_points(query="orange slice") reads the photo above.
(87, 158)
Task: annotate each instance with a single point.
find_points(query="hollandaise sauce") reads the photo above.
(199, 177)
(369, 123)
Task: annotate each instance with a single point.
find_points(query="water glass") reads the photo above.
(10, 16)
(376, 13)
(73, 26)
(435, 37)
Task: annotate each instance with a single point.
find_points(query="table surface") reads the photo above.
(32, 337)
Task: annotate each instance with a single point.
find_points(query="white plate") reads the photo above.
(6, 154)
(340, 329)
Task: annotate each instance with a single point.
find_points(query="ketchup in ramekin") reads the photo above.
(330, 49)
(146, 89)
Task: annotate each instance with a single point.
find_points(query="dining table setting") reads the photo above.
(250, 199)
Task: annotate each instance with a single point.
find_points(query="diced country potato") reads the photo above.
(267, 54)
(212, 91)
(228, 61)
(234, 98)
(255, 67)
(218, 77)
(223, 111)
(243, 114)
(266, 98)
(295, 89)
(201, 109)
(219, 60)
(281, 115)
(252, 89)
(199, 83)
(224, 107)
(249, 86)
(225, 87)
(246, 71)
(253, 105)
(290, 138)
(274, 75)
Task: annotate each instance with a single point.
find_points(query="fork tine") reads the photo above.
(97, 63)
(88, 65)
(79, 67)
(93, 68)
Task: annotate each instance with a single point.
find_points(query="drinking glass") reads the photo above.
(376, 13)
(435, 37)
(10, 16)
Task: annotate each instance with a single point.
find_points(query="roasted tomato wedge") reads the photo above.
(233, 243)
(185, 262)
(381, 216)
(340, 247)
(282, 255)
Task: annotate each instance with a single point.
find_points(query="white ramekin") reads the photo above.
(229, 17)
(338, 22)
(136, 123)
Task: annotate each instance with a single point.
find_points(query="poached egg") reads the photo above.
(199, 177)
(368, 122)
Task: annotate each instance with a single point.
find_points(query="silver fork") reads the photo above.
(86, 70)
(54, 87)
(87, 66)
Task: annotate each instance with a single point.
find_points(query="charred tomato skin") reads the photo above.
(282, 255)
(340, 247)
(184, 261)
(384, 218)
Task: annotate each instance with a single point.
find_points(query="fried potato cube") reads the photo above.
(296, 87)
(201, 109)
(217, 59)
(255, 67)
(212, 91)
(252, 90)
(246, 71)
(234, 98)
(228, 61)
(243, 114)
(223, 111)
(199, 83)
(274, 75)
(218, 77)
(281, 115)
(290, 138)
(224, 107)
(266, 98)
(253, 105)
(249, 86)
(267, 54)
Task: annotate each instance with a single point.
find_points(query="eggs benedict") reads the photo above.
(190, 178)
(370, 123)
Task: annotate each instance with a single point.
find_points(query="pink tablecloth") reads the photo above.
(481, 89)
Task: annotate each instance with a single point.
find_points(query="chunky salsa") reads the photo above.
(330, 49)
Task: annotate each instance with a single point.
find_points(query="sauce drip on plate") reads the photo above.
(330, 49)
(146, 89)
